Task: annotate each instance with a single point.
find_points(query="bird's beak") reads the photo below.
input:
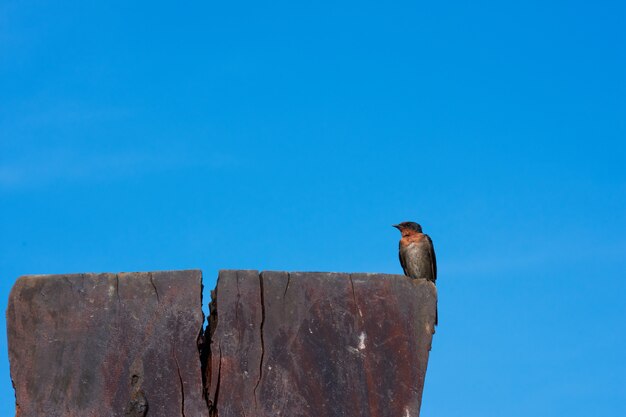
(397, 226)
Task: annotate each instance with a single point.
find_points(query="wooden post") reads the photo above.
(114, 345)
(319, 344)
(278, 344)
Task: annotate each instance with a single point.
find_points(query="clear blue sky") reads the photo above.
(285, 135)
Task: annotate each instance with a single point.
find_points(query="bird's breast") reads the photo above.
(417, 260)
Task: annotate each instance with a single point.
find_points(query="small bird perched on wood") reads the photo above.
(417, 255)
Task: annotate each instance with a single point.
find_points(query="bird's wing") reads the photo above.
(433, 258)
(402, 261)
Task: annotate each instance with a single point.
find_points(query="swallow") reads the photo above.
(417, 254)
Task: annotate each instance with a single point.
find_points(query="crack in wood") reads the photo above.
(262, 341)
(287, 286)
(213, 410)
(117, 287)
(155, 288)
(182, 387)
(356, 303)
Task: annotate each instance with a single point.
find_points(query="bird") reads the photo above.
(417, 254)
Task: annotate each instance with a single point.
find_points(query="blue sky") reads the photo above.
(287, 136)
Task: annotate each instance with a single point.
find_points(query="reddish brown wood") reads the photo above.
(107, 345)
(320, 344)
(282, 344)
(236, 347)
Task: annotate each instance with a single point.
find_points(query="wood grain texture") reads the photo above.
(278, 344)
(107, 345)
(320, 344)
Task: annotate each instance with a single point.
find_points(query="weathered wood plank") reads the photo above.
(107, 345)
(236, 346)
(320, 344)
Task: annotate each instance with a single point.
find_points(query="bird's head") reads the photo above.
(408, 228)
